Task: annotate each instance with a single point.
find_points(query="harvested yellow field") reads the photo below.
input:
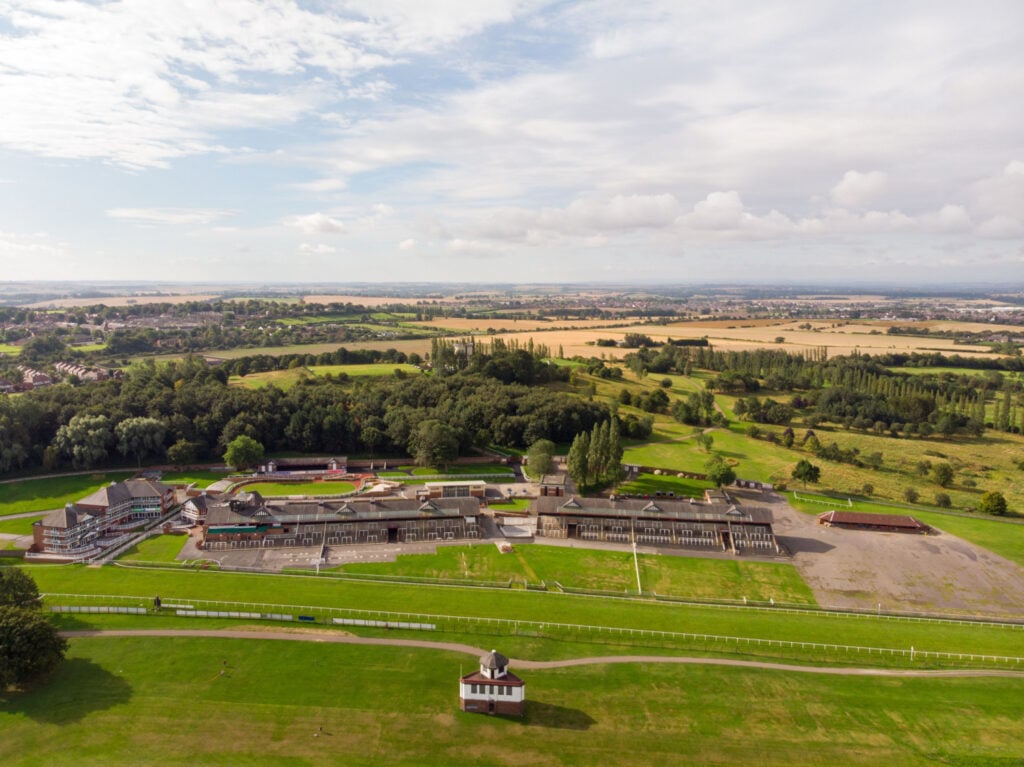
(483, 324)
(372, 300)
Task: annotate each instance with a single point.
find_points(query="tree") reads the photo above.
(140, 436)
(85, 440)
(243, 452)
(992, 502)
(183, 452)
(17, 589)
(577, 462)
(943, 501)
(942, 473)
(539, 457)
(435, 444)
(704, 440)
(29, 645)
(910, 495)
(806, 472)
(719, 471)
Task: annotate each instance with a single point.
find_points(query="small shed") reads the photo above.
(493, 689)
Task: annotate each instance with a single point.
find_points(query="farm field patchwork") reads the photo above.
(319, 704)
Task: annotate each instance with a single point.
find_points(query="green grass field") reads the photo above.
(199, 478)
(21, 526)
(10, 349)
(650, 484)
(159, 548)
(285, 379)
(603, 571)
(465, 605)
(52, 493)
(312, 704)
(300, 488)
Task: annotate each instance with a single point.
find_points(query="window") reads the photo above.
(475, 689)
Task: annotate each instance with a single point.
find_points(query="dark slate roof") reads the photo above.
(651, 509)
(291, 512)
(113, 494)
(509, 680)
(68, 517)
(493, 660)
(145, 488)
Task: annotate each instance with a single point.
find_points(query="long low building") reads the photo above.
(251, 521)
(659, 522)
(887, 523)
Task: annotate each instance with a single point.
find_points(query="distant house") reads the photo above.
(888, 523)
(194, 509)
(493, 689)
(250, 521)
(659, 522)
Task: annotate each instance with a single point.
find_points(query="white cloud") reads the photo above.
(315, 249)
(408, 244)
(316, 223)
(858, 189)
(170, 215)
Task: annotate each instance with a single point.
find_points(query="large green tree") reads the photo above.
(719, 471)
(539, 457)
(435, 444)
(85, 439)
(577, 462)
(140, 437)
(806, 472)
(17, 589)
(243, 452)
(993, 502)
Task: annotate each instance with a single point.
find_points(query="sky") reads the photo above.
(649, 141)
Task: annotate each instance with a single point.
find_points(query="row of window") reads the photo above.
(489, 689)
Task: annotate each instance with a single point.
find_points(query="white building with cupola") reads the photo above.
(493, 689)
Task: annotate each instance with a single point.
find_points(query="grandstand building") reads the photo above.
(711, 526)
(250, 521)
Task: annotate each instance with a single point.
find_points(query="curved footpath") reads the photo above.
(331, 638)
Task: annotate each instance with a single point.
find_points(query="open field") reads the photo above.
(467, 605)
(611, 571)
(484, 324)
(159, 548)
(318, 704)
(285, 379)
(371, 301)
(10, 349)
(21, 526)
(650, 484)
(199, 478)
(52, 492)
(301, 488)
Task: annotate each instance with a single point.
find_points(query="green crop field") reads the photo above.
(52, 492)
(159, 548)
(301, 488)
(163, 701)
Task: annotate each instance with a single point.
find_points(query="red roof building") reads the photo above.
(889, 523)
(493, 689)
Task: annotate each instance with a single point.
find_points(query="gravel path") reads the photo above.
(333, 638)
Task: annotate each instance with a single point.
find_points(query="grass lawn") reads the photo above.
(53, 492)
(159, 548)
(301, 488)
(1004, 537)
(456, 469)
(18, 526)
(285, 379)
(9, 349)
(611, 571)
(541, 607)
(199, 478)
(318, 704)
(516, 504)
(649, 484)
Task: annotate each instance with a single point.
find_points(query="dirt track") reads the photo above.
(331, 638)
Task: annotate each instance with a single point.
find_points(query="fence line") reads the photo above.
(548, 628)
